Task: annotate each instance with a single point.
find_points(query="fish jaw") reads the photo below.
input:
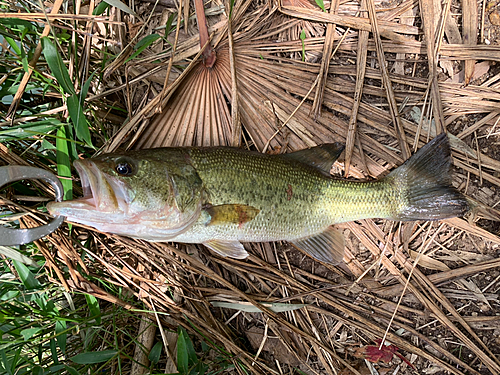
(105, 200)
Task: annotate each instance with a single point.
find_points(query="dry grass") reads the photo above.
(428, 288)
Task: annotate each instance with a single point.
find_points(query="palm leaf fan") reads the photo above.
(199, 112)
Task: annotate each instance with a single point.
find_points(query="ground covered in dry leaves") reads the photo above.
(430, 289)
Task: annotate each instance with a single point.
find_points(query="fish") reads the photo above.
(222, 197)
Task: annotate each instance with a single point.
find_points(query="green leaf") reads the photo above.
(231, 6)
(61, 336)
(80, 124)
(199, 369)
(55, 369)
(30, 332)
(121, 6)
(303, 35)
(71, 370)
(29, 130)
(321, 4)
(57, 66)
(143, 44)
(17, 25)
(63, 163)
(186, 356)
(85, 89)
(95, 310)
(26, 276)
(182, 355)
(155, 353)
(302, 38)
(100, 9)
(13, 45)
(53, 351)
(168, 25)
(16, 255)
(94, 357)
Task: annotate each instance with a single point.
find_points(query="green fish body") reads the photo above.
(223, 196)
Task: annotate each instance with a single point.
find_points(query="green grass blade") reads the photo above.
(121, 6)
(75, 110)
(168, 25)
(321, 4)
(61, 336)
(53, 351)
(95, 310)
(71, 370)
(85, 89)
(63, 162)
(57, 66)
(94, 357)
(100, 9)
(13, 45)
(143, 44)
(28, 130)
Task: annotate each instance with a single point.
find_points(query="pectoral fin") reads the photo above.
(232, 249)
(231, 213)
(327, 246)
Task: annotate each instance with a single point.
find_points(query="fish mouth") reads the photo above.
(102, 194)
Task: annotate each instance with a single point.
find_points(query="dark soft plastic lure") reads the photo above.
(224, 196)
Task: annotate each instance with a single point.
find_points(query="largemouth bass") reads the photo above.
(223, 196)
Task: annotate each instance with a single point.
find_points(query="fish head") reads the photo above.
(138, 195)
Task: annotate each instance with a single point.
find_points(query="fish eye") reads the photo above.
(124, 168)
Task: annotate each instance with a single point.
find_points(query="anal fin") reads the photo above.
(327, 246)
(231, 249)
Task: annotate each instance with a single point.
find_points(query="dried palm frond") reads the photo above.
(275, 99)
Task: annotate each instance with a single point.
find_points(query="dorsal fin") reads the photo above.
(321, 157)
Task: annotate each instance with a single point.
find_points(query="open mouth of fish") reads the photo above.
(101, 193)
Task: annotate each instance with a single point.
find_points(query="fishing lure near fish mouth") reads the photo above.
(222, 196)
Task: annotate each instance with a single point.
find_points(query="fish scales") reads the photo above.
(295, 200)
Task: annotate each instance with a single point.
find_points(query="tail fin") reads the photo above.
(425, 184)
